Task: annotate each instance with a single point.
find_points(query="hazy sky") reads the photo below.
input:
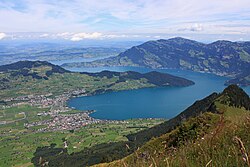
(101, 19)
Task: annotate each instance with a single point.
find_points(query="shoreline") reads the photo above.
(156, 68)
(60, 114)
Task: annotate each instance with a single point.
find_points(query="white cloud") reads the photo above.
(2, 35)
(116, 36)
(81, 36)
(196, 27)
(157, 36)
(192, 27)
(115, 17)
(44, 35)
(64, 34)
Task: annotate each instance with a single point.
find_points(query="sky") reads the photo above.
(76, 20)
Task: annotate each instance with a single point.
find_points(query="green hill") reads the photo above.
(35, 69)
(39, 77)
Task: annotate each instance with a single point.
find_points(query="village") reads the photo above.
(66, 122)
(61, 117)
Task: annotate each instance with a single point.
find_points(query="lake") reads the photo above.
(164, 102)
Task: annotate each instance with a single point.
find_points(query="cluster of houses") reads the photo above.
(59, 120)
(66, 122)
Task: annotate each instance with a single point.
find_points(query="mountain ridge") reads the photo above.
(24, 68)
(222, 57)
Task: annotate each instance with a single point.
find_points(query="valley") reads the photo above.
(46, 124)
(107, 83)
(26, 112)
(23, 84)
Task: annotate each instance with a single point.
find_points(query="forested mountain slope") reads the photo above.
(221, 57)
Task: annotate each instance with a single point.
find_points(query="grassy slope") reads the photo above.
(209, 139)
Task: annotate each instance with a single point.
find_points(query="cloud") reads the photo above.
(116, 36)
(44, 35)
(74, 36)
(193, 27)
(63, 35)
(2, 35)
(81, 36)
(196, 27)
(157, 36)
(116, 18)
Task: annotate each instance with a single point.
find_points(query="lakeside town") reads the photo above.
(60, 114)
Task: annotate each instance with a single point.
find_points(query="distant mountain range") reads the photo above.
(54, 52)
(224, 58)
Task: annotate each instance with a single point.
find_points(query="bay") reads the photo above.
(163, 102)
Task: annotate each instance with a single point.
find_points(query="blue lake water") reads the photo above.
(164, 102)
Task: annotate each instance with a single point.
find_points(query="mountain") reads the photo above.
(56, 52)
(156, 78)
(234, 96)
(39, 77)
(35, 69)
(212, 122)
(221, 57)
